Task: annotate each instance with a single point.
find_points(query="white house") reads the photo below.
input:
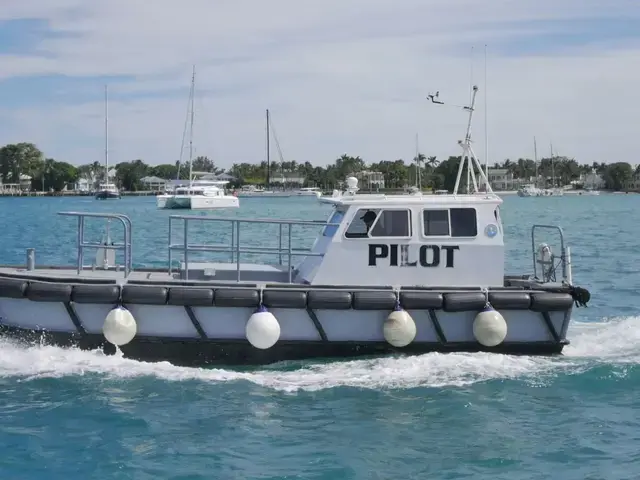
(593, 180)
(500, 178)
(152, 183)
(370, 180)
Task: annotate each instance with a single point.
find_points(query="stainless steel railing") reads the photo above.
(548, 274)
(234, 248)
(82, 244)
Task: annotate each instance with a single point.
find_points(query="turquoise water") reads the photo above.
(80, 415)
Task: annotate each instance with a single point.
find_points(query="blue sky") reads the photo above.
(338, 77)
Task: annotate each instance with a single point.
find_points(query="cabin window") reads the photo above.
(330, 230)
(463, 222)
(392, 223)
(373, 222)
(456, 222)
(436, 223)
(362, 222)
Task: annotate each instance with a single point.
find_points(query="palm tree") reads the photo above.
(419, 159)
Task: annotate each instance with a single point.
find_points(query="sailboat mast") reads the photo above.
(486, 126)
(535, 158)
(106, 135)
(553, 171)
(268, 153)
(418, 173)
(193, 88)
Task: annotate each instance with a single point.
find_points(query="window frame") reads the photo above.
(336, 228)
(448, 210)
(409, 223)
(373, 225)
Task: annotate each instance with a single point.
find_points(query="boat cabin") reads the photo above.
(410, 240)
(209, 188)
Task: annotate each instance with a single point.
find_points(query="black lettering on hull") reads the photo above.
(377, 251)
(429, 256)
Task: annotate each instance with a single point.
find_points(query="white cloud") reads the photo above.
(338, 77)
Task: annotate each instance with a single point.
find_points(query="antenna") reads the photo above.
(468, 155)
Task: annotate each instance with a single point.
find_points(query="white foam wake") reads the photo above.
(615, 341)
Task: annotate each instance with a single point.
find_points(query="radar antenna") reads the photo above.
(468, 155)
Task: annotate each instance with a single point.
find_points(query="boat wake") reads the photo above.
(613, 341)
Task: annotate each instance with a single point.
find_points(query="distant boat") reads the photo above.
(308, 192)
(106, 190)
(530, 191)
(253, 191)
(198, 194)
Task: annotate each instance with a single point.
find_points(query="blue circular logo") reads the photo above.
(491, 230)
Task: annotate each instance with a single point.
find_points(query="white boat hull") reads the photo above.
(267, 194)
(184, 324)
(196, 202)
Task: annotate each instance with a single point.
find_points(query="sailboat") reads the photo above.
(198, 194)
(252, 190)
(554, 191)
(106, 190)
(532, 189)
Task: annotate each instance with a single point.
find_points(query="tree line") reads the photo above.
(46, 174)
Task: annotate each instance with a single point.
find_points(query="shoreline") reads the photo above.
(154, 193)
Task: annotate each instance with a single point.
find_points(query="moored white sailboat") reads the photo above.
(198, 194)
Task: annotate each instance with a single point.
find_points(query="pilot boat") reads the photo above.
(399, 274)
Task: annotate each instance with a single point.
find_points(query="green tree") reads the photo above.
(617, 176)
(166, 171)
(129, 175)
(55, 176)
(20, 159)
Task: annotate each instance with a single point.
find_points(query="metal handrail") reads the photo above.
(82, 244)
(563, 249)
(234, 248)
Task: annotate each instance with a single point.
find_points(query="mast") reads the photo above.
(486, 126)
(268, 153)
(106, 136)
(468, 155)
(472, 96)
(193, 88)
(418, 172)
(553, 171)
(535, 159)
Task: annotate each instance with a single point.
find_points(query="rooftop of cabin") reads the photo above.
(418, 199)
(351, 197)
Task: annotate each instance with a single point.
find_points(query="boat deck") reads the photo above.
(209, 273)
(224, 275)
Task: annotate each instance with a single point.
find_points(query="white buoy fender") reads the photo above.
(489, 327)
(399, 328)
(263, 329)
(119, 327)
